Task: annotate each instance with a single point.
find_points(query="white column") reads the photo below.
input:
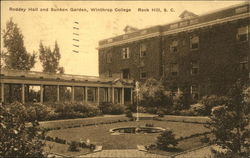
(58, 93)
(109, 95)
(23, 93)
(2, 92)
(122, 95)
(113, 95)
(131, 97)
(41, 93)
(98, 95)
(72, 94)
(83, 95)
(86, 94)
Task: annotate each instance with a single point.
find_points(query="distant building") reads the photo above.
(200, 55)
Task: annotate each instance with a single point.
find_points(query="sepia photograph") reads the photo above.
(125, 79)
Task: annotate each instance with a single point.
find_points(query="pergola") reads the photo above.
(30, 86)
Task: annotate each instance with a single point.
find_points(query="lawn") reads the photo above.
(62, 149)
(100, 135)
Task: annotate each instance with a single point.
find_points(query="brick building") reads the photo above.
(200, 55)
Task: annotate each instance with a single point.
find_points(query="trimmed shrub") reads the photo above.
(38, 111)
(131, 107)
(129, 114)
(110, 108)
(211, 101)
(77, 110)
(198, 109)
(117, 109)
(73, 146)
(166, 139)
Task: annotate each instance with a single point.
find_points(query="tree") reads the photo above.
(153, 94)
(16, 138)
(50, 59)
(16, 55)
(229, 121)
(166, 139)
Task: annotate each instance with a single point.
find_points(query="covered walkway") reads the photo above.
(30, 86)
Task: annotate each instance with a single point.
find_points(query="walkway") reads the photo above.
(122, 153)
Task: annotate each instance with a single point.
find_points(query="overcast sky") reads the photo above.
(48, 26)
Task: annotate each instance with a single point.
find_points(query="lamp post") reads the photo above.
(137, 100)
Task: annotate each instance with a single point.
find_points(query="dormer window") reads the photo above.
(129, 29)
(194, 21)
(241, 10)
(187, 15)
(125, 36)
(110, 40)
(174, 26)
(184, 23)
(143, 32)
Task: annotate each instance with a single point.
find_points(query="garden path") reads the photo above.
(122, 153)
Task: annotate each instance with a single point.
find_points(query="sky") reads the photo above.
(50, 26)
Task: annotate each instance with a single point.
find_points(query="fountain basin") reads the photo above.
(136, 130)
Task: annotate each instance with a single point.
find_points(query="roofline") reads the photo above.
(232, 18)
(131, 32)
(179, 20)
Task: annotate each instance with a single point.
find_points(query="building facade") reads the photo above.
(200, 55)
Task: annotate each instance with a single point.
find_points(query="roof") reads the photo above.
(189, 21)
(187, 15)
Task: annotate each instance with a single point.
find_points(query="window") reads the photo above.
(244, 63)
(173, 46)
(174, 69)
(184, 23)
(174, 26)
(125, 53)
(143, 49)
(143, 32)
(242, 34)
(125, 73)
(194, 68)
(241, 10)
(109, 58)
(194, 42)
(194, 92)
(125, 36)
(109, 73)
(194, 21)
(110, 40)
(143, 75)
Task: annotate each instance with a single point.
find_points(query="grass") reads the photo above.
(99, 134)
(183, 145)
(62, 149)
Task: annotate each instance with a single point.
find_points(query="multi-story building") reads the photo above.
(200, 55)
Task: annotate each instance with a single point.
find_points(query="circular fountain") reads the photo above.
(137, 130)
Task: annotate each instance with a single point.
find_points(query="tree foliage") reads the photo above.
(229, 121)
(16, 55)
(50, 59)
(153, 94)
(16, 138)
(166, 139)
